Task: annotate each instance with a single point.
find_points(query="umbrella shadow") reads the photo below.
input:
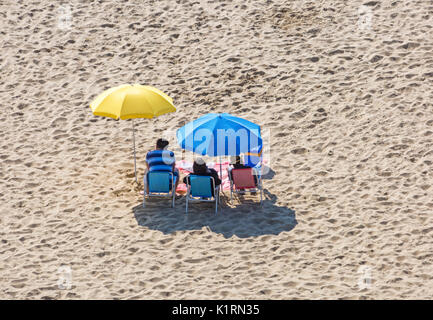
(247, 219)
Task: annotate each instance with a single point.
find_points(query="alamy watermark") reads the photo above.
(298, 5)
(64, 281)
(64, 17)
(365, 18)
(364, 280)
(230, 142)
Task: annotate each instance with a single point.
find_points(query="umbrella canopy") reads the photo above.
(132, 101)
(220, 135)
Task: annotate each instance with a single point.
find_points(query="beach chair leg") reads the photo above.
(219, 200)
(261, 193)
(173, 190)
(216, 202)
(174, 195)
(144, 197)
(144, 191)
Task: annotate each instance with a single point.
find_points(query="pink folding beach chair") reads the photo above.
(242, 180)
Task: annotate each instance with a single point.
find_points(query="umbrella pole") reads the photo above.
(135, 160)
(221, 173)
(221, 185)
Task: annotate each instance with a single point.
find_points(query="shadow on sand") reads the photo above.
(247, 219)
(268, 173)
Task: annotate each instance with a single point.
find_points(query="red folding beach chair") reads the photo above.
(242, 180)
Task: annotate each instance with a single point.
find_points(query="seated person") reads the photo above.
(235, 163)
(161, 159)
(200, 169)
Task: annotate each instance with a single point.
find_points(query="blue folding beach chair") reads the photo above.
(200, 189)
(160, 184)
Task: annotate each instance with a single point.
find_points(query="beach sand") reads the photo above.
(343, 88)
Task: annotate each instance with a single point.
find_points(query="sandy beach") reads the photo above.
(342, 88)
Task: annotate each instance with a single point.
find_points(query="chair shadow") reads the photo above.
(247, 219)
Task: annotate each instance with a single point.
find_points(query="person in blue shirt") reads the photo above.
(161, 159)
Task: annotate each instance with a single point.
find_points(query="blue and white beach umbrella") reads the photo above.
(220, 135)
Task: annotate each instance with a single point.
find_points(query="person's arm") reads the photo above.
(214, 175)
(217, 180)
(147, 163)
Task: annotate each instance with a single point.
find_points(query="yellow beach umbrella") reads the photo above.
(132, 101)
